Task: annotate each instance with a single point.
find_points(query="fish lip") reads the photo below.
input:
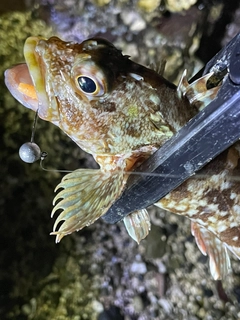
(35, 70)
(13, 76)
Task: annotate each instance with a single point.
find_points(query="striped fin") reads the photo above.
(197, 92)
(86, 196)
(210, 245)
(138, 224)
(158, 67)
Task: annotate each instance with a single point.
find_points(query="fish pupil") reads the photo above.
(87, 84)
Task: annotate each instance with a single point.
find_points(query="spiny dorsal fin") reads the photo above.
(210, 245)
(183, 84)
(158, 67)
(197, 92)
(86, 196)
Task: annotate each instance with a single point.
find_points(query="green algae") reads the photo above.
(38, 279)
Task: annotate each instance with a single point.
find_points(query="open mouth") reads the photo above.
(26, 82)
(19, 83)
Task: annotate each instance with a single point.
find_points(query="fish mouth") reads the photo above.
(26, 81)
(13, 78)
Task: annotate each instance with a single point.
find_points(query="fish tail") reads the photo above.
(86, 196)
(209, 244)
(197, 92)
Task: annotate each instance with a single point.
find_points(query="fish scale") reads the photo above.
(122, 119)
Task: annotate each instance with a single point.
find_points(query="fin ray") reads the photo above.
(138, 224)
(197, 92)
(86, 196)
(209, 244)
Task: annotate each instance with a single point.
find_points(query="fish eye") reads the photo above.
(87, 84)
(89, 78)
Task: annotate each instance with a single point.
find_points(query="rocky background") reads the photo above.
(100, 273)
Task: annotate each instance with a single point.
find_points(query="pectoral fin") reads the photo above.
(85, 197)
(210, 245)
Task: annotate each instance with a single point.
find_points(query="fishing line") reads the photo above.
(30, 152)
(43, 157)
(146, 174)
(34, 126)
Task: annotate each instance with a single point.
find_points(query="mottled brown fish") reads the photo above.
(121, 112)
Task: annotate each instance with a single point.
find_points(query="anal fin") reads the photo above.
(209, 244)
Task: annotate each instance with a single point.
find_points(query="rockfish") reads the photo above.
(121, 113)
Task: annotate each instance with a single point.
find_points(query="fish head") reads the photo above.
(61, 73)
(104, 101)
(70, 85)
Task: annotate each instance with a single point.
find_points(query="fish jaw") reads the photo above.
(13, 78)
(26, 82)
(36, 72)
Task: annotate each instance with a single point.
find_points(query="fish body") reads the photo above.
(122, 112)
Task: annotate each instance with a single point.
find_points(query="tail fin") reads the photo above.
(210, 245)
(85, 197)
(197, 92)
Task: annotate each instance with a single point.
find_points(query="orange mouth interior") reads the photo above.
(28, 90)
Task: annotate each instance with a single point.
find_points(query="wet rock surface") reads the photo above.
(100, 273)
